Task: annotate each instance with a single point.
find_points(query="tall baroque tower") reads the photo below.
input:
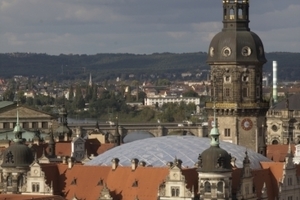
(236, 56)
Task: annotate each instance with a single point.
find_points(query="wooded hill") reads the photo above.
(110, 66)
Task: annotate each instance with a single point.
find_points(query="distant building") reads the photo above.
(283, 121)
(152, 101)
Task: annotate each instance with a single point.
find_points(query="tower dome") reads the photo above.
(17, 155)
(215, 159)
(236, 43)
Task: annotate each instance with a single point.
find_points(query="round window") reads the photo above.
(274, 128)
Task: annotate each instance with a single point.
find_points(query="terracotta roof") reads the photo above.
(27, 197)
(275, 167)
(277, 153)
(104, 147)
(52, 174)
(265, 176)
(260, 177)
(63, 148)
(80, 179)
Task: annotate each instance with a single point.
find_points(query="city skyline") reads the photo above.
(136, 26)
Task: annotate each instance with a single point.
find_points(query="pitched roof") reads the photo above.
(119, 182)
(27, 197)
(260, 176)
(293, 103)
(277, 153)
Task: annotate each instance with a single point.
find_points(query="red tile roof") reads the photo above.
(277, 153)
(27, 197)
(119, 182)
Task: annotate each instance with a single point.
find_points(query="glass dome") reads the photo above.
(160, 150)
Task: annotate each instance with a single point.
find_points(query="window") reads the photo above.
(207, 187)
(245, 92)
(9, 180)
(247, 189)
(227, 92)
(175, 191)
(35, 187)
(231, 14)
(290, 181)
(25, 125)
(34, 125)
(6, 125)
(245, 78)
(135, 183)
(220, 187)
(227, 132)
(44, 125)
(227, 79)
(290, 197)
(240, 13)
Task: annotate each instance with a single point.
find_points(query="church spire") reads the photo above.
(236, 15)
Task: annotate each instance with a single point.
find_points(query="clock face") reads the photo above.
(247, 124)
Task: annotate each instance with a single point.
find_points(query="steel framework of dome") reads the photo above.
(160, 150)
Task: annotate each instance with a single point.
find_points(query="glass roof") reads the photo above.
(137, 135)
(160, 150)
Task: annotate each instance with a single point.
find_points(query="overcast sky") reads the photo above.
(136, 26)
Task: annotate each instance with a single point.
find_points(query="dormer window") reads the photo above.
(135, 183)
(74, 181)
(100, 183)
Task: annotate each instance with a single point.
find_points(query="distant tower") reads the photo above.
(275, 81)
(236, 56)
(90, 81)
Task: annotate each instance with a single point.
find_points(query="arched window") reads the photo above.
(231, 13)
(9, 180)
(240, 14)
(20, 181)
(175, 191)
(207, 187)
(275, 142)
(220, 187)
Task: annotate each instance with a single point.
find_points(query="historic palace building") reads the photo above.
(236, 56)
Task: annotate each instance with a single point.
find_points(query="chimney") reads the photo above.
(64, 159)
(275, 81)
(134, 164)
(142, 163)
(70, 162)
(114, 163)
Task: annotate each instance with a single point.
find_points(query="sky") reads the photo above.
(136, 26)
